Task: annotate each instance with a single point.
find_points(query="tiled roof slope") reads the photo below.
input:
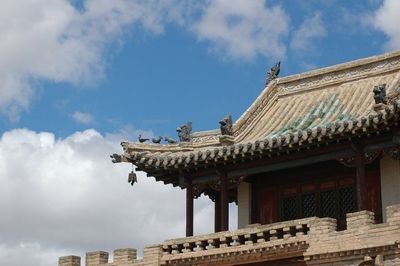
(291, 111)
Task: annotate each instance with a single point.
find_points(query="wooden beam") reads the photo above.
(274, 163)
(189, 207)
(294, 160)
(360, 175)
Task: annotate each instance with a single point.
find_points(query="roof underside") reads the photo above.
(317, 106)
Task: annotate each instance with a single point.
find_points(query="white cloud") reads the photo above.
(312, 28)
(55, 41)
(63, 196)
(29, 254)
(387, 19)
(243, 29)
(82, 118)
(129, 133)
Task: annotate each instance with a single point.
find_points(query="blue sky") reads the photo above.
(79, 76)
(158, 79)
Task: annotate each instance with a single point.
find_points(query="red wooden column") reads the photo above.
(217, 212)
(189, 207)
(360, 176)
(224, 203)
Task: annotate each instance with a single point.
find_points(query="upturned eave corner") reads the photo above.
(119, 158)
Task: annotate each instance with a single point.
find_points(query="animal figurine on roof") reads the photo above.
(156, 140)
(185, 132)
(273, 73)
(226, 125)
(380, 94)
(141, 140)
(116, 158)
(170, 140)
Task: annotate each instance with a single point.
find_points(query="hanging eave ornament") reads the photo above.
(132, 178)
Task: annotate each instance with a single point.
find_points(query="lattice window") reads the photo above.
(347, 200)
(334, 201)
(289, 208)
(328, 204)
(309, 204)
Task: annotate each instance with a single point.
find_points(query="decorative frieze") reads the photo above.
(198, 189)
(394, 153)
(369, 157)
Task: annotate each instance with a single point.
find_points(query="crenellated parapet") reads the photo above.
(363, 240)
(121, 257)
(313, 240)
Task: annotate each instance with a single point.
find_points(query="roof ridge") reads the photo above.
(317, 79)
(340, 67)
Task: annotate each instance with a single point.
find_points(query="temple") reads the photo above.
(313, 166)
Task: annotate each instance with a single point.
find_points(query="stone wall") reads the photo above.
(309, 241)
(390, 180)
(363, 240)
(244, 204)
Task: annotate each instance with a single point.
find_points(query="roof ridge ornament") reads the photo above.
(226, 125)
(141, 140)
(185, 132)
(380, 97)
(273, 73)
(157, 140)
(380, 94)
(226, 137)
(169, 140)
(116, 158)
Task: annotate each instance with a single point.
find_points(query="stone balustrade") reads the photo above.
(246, 236)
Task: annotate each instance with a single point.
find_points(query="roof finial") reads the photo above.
(273, 73)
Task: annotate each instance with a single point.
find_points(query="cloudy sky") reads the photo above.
(79, 76)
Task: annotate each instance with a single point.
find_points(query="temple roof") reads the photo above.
(291, 112)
